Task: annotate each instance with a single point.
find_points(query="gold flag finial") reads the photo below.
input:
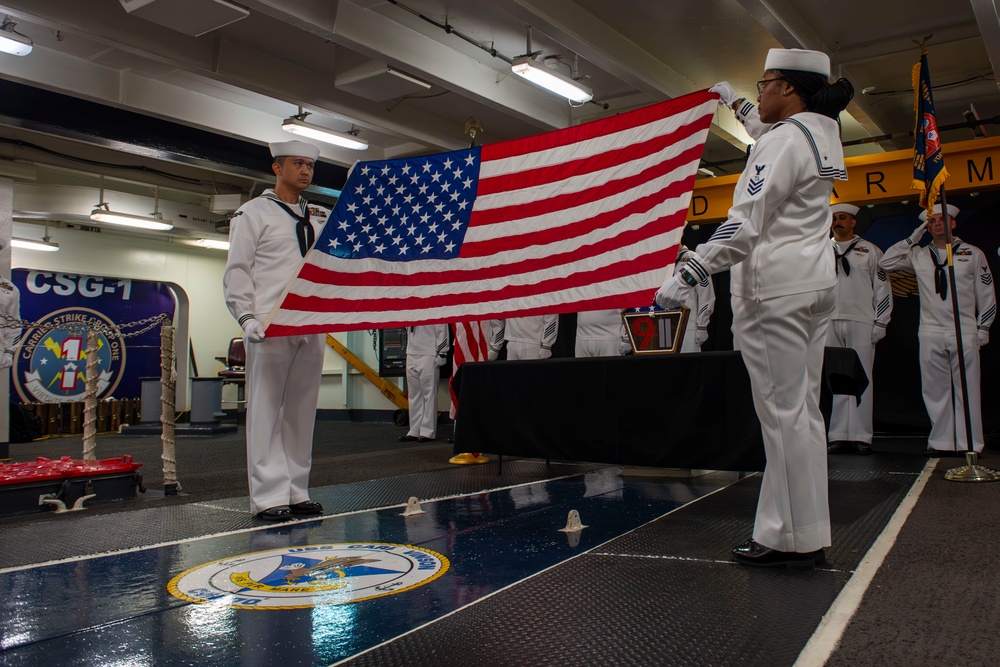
(922, 43)
(473, 126)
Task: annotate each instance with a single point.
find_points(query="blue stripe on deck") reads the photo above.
(116, 609)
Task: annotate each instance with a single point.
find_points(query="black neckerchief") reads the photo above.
(842, 258)
(304, 231)
(940, 277)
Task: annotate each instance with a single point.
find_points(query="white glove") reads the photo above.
(625, 347)
(492, 354)
(6, 360)
(917, 234)
(544, 353)
(984, 338)
(253, 330)
(673, 293)
(878, 333)
(700, 336)
(726, 93)
(440, 360)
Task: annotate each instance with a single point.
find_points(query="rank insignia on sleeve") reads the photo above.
(757, 181)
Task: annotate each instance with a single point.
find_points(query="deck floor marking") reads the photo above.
(831, 628)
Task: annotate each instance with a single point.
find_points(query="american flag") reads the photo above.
(470, 345)
(584, 218)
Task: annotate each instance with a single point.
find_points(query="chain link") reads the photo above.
(91, 324)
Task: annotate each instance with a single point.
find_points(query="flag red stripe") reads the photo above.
(592, 163)
(594, 129)
(571, 199)
(316, 274)
(317, 304)
(602, 220)
(627, 300)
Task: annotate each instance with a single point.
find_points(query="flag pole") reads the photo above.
(929, 175)
(473, 126)
(971, 471)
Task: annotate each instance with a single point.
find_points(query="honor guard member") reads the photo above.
(864, 305)
(10, 307)
(269, 237)
(701, 302)
(496, 331)
(776, 241)
(531, 337)
(426, 353)
(599, 333)
(939, 371)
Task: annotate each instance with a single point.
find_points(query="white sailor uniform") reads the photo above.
(531, 337)
(426, 352)
(283, 373)
(10, 305)
(939, 370)
(598, 333)
(776, 239)
(701, 302)
(495, 332)
(864, 303)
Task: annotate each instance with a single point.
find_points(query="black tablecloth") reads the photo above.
(677, 411)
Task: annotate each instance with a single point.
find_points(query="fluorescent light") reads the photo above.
(406, 77)
(213, 244)
(103, 214)
(28, 244)
(301, 127)
(541, 75)
(13, 42)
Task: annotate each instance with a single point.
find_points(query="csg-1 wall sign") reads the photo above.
(308, 576)
(49, 366)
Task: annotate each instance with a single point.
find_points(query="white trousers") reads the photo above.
(942, 389)
(518, 350)
(849, 419)
(689, 344)
(607, 347)
(782, 342)
(283, 376)
(422, 377)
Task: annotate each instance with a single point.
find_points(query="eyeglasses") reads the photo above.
(763, 84)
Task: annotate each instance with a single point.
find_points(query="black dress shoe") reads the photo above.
(423, 439)
(280, 513)
(408, 438)
(837, 447)
(306, 507)
(757, 555)
(862, 448)
(941, 453)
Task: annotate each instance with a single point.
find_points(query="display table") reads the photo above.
(672, 410)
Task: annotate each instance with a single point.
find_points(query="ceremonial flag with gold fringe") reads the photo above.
(929, 172)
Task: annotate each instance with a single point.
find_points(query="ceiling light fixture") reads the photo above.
(526, 66)
(212, 244)
(540, 75)
(103, 213)
(29, 244)
(13, 42)
(297, 125)
(45, 245)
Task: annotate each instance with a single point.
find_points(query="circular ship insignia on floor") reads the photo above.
(311, 575)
